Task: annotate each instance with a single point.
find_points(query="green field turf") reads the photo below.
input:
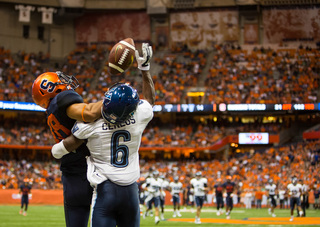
(52, 216)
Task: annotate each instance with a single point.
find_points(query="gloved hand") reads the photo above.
(144, 61)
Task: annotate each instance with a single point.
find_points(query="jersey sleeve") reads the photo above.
(82, 130)
(145, 111)
(67, 98)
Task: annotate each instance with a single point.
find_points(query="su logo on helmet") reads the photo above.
(48, 86)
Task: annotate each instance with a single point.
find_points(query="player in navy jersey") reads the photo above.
(219, 196)
(114, 141)
(25, 190)
(229, 187)
(54, 91)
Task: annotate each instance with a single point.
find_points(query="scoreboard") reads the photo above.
(190, 108)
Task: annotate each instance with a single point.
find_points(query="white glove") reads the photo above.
(58, 150)
(144, 61)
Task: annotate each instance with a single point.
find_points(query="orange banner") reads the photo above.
(38, 196)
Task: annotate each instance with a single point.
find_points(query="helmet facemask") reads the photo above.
(70, 81)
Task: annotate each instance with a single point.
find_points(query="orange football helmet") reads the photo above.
(49, 84)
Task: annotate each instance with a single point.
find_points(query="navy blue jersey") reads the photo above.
(60, 125)
(229, 186)
(219, 189)
(25, 189)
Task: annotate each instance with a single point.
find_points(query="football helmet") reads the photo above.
(229, 178)
(176, 178)
(294, 180)
(198, 174)
(119, 103)
(49, 84)
(155, 173)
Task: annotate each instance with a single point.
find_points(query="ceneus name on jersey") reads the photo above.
(108, 126)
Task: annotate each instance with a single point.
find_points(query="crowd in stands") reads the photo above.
(179, 71)
(235, 76)
(263, 75)
(26, 130)
(41, 175)
(250, 171)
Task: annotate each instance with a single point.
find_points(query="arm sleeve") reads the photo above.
(82, 130)
(67, 98)
(145, 111)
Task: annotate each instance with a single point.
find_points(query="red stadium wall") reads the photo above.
(216, 146)
(311, 135)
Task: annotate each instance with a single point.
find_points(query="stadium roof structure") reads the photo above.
(157, 4)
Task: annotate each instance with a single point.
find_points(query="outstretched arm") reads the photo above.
(85, 112)
(144, 65)
(148, 87)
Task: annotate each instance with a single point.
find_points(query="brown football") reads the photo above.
(121, 56)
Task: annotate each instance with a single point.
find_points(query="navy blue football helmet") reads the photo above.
(119, 103)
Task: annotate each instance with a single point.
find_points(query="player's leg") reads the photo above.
(104, 214)
(174, 202)
(178, 206)
(292, 204)
(156, 208)
(218, 199)
(77, 194)
(26, 206)
(162, 208)
(299, 207)
(128, 208)
(199, 202)
(22, 205)
(304, 205)
(273, 205)
(229, 206)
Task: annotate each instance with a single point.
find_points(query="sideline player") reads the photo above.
(54, 91)
(219, 196)
(176, 188)
(200, 187)
(114, 141)
(153, 185)
(294, 189)
(164, 187)
(271, 188)
(25, 190)
(304, 199)
(229, 187)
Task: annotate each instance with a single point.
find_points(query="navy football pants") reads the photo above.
(116, 205)
(77, 194)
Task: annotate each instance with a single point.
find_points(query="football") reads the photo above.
(121, 56)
